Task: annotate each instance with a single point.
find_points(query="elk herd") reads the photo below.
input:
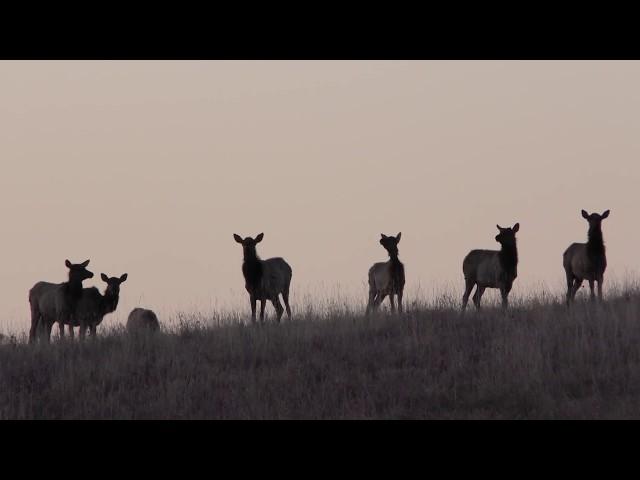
(72, 305)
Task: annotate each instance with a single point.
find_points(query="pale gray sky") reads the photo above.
(149, 167)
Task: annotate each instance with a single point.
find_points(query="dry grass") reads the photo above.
(536, 361)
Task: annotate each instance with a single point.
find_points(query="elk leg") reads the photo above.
(41, 328)
(252, 301)
(285, 297)
(82, 331)
(379, 299)
(467, 291)
(372, 300)
(278, 306)
(393, 305)
(569, 287)
(504, 291)
(593, 294)
(35, 319)
(33, 331)
(600, 289)
(47, 330)
(92, 331)
(577, 283)
(399, 301)
(478, 296)
(61, 329)
(71, 331)
(263, 301)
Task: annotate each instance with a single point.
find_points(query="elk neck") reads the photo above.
(73, 288)
(393, 258)
(595, 242)
(397, 269)
(109, 301)
(595, 249)
(508, 256)
(251, 266)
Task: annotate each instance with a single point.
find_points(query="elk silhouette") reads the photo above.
(56, 302)
(492, 268)
(93, 306)
(264, 279)
(386, 278)
(586, 261)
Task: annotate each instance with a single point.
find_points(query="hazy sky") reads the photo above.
(150, 167)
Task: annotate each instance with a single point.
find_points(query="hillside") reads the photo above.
(536, 361)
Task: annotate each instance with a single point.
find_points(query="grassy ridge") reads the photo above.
(536, 361)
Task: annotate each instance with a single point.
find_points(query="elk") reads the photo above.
(492, 268)
(56, 302)
(264, 279)
(386, 278)
(142, 320)
(586, 261)
(93, 306)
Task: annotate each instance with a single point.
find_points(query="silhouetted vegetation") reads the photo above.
(536, 360)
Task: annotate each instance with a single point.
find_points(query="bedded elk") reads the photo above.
(142, 320)
(586, 261)
(492, 268)
(386, 278)
(264, 279)
(56, 302)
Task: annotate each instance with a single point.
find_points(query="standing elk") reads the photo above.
(56, 302)
(586, 261)
(386, 278)
(93, 306)
(264, 279)
(492, 268)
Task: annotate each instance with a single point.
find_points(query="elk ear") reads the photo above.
(85, 263)
(499, 227)
(585, 214)
(123, 277)
(259, 237)
(383, 236)
(67, 263)
(104, 277)
(605, 214)
(516, 227)
(398, 236)
(238, 238)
